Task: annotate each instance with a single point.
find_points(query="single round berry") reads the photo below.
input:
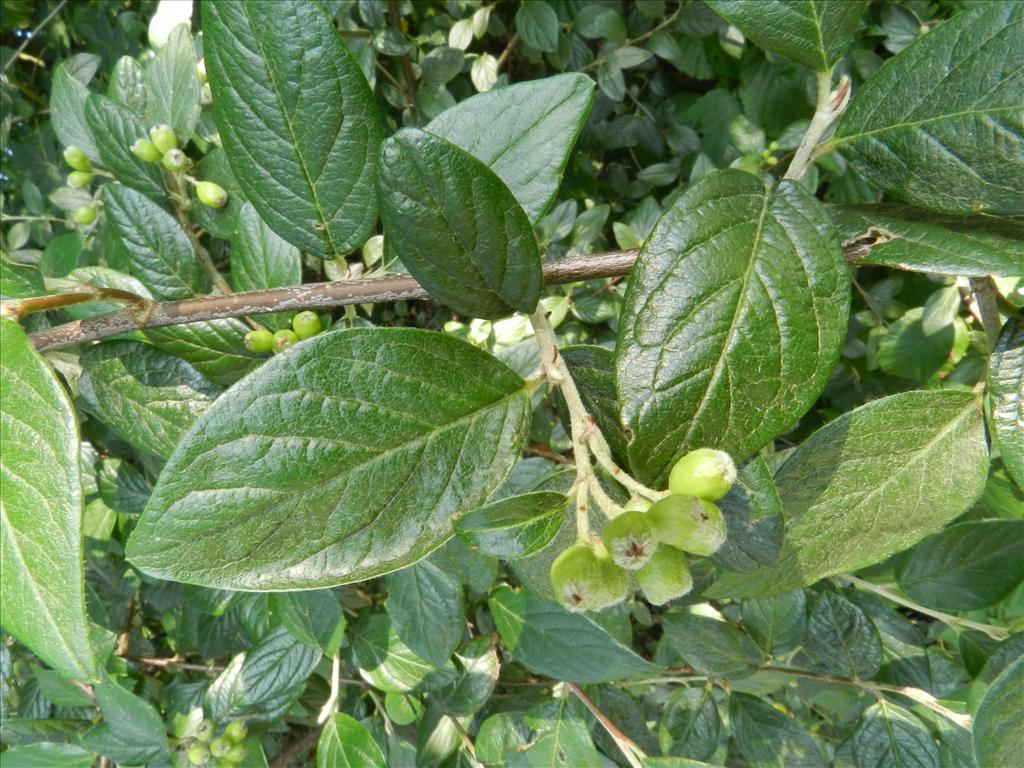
(146, 151)
(77, 159)
(306, 324)
(587, 580)
(236, 731)
(260, 340)
(85, 214)
(284, 339)
(205, 730)
(220, 746)
(629, 539)
(163, 137)
(211, 194)
(79, 179)
(198, 754)
(236, 754)
(665, 576)
(705, 473)
(688, 523)
(175, 160)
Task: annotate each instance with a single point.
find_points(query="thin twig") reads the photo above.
(629, 749)
(174, 662)
(828, 107)
(298, 749)
(31, 35)
(505, 54)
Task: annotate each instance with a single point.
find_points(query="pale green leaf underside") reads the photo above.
(341, 460)
(345, 743)
(172, 85)
(732, 320)
(871, 483)
(1006, 387)
(941, 125)
(67, 112)
(42, 594)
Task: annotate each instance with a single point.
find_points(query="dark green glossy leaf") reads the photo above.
(889, 735)
(562, 739)
(732, 322)
(549, 640)
(964, 567)
(131, 733)
(593, 371)
(425, 606)
(216, 348)
(42, 597)
(999, 721)
(312, 616)
(422, 427)
(753, 520)
(146, 396)
(523, 132)
(841, 639)
(116, 129)
(16, 731)
(1006, 388)
(382, 659)
(67, 112)
(49, 755)
(345, 743)
(923, 453)
(940, 125)
(907, 348)
(477, 661)
(815, 33)
(172, 85)
(691, 724)
(220, 222)
(159, 252)
(500, 737)
(122, 487)
(537, 25)
(457, 228)
(767, 738)
(777, 622)
(128, 86)
(61, 254)
(516, 526)
(260, 259)
(297, 118)
(710, 646)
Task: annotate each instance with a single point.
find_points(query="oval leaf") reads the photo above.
(260, 259)
(841, 639)
(172, 85)
(889, 735)
(514, 527)
(999, 722)
(67, 111)
(1006, 387)
(425, 606)
(710, 646)
(732, 322)
(344, 459)
(345, 743)
(215, 347)
(116, 129)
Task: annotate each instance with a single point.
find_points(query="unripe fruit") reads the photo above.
(220, 746)
(688, 523)
(705, 473)
(163, 138)
(260, 340)
(629, 539)
(666, 575)
(175, 160)
(86, 214)
(236, 754)
(637, 504)
(77, 159)
(306, 324)
(204, 731)
(211, 194)
(199, 754)
(236, 731)
(584, 580)
(284, 339)
(146, 151)
(79, 179)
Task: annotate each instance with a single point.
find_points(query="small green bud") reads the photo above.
(688, 523)
(630, 539)
(198, 754)
(260, 340)
(236, 731)
(205, 730)
(175, 160)
(585, 580)
(146, 151)
(236, 754)
(163, 138)
(306, 324)
(211, 194)
(705, 473)
(77, 159)
(284, 339)
(220, 747)
(79, 179)
(666, 575)
(85, 215)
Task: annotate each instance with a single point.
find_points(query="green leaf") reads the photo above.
(61, 254)
(889, 735)
(457, 228)
(908, 350)
(477, 660)
(549, 640)
(769, 739)
(923, 453)
(219, 222)
(382, 659)
(690, 725)
(260, 259)
(593, 371)
(421, 427)
(215, 348)
(938, 125)
(172, 84)
(523, 132)
(297, 118)
(710, 646)
(910, 238)
(122, 487)
(562, 739)
(131, 733)
(345, 743)
(841, 639)
(313, 617)
(146, 396)
(425, 606)
(815, 33)
(67, 111)
(159, 252)
(964, 567)
(18, 281)
(42, 593)
(101, 277)
(116, 129)
(516, 526)
(999, 721)
(1006, 388)
(537, 25)
(49, 755)
(732, 321)
(128, 86)
(753, 520)
(777, 622)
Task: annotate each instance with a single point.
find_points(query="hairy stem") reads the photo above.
(829, 106)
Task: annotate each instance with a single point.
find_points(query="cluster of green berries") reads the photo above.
(225, 751)
(80, 178)
(162, 147)
(650, 541)
(304, 325)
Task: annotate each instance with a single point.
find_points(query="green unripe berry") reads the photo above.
(586, 580)
(705, 473)
(79, 179)
(205, 730)
(175, 160)
(688, 523)
(236, 731)
(198, 754)
(306, 324)
(77, 159)
(163, 137)
(665, 576)
(629, 539)
(146, 151)
(220, 747)
(260, 340)
(284, 339)
(236, 754)
(85, 215)
(211, 194)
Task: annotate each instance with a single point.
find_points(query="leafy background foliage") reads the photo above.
(867, 609)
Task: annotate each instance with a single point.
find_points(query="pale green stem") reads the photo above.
(828, 107)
